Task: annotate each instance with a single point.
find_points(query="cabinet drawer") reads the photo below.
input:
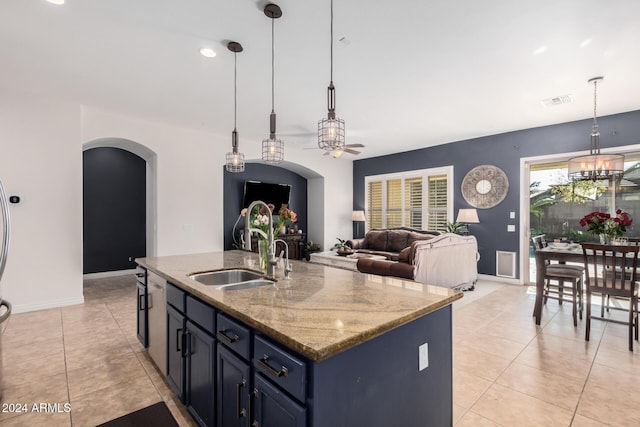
(234, 335)
(281, 367)
(176, 297)
(141, 275)
(201, 314)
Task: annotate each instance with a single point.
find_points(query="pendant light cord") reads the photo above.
(272, 68)
(331, 78)
(595, 103)
(235, 88)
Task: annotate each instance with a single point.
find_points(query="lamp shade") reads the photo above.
(358, 216)
(468, 216)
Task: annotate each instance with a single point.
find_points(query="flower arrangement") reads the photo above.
(260, 218)
(604, 224)
(285, 214)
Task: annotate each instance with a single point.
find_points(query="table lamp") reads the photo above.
(466, 217)
(358, 217)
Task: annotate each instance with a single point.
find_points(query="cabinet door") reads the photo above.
(142, 315)
(275, 409)
(175, 351)
(232, 389)
(200, 385)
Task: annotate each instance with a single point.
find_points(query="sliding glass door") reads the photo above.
(556, 205)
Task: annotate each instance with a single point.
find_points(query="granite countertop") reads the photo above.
(319, 311)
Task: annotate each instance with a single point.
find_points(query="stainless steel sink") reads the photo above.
(231, 280)
(246, 285)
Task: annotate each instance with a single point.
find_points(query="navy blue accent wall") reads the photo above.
(234, 190)
(114, 209)
(504, 151)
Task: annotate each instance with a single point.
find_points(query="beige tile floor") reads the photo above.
(507, 371)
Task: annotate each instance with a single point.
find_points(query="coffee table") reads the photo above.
(332, 259)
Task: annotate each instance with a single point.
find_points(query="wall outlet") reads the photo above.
(511, 228)
(187, 227)
(512, 215)
(423, 356)
(130, 259)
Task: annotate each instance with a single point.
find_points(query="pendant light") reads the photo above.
(235, 159)
(272, 148)
(331, 129)
(595, 166)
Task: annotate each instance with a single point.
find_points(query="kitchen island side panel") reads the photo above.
(378, 383)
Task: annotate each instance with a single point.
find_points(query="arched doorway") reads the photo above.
(119, 207)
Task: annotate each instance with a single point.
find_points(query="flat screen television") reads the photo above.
(276, 194)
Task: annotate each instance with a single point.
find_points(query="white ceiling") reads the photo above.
(414, 73)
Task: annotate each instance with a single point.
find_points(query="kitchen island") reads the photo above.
(345, 348)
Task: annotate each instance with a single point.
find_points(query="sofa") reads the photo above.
(448, 260)
(392, 243)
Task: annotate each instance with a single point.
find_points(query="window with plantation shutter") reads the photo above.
(418, 199)
(438, 203)
(374, 204)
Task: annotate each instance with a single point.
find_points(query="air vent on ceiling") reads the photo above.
(557, 100)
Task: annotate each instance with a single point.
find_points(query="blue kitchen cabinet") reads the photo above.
(233, 386)
(273, 408)
(200, 374)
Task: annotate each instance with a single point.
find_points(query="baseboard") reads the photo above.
(104, 274)
(23, 308)
(499, 279)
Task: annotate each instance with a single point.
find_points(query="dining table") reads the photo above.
(560, 252)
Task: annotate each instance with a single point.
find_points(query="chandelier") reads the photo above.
(331, 129)
(595, 166)
(234, 160)
(272, 148)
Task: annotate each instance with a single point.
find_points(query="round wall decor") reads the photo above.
(485, 186)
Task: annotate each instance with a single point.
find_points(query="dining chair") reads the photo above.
(611, 270)
(558, 277)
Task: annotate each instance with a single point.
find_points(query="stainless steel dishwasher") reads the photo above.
(157, 312)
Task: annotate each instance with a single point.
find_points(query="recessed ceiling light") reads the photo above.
(56, 1)
(207, 52)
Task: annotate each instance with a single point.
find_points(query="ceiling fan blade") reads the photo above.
(350, 151)
(326, 153)
(354, 145)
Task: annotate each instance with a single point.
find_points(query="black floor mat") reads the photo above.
(157, 415)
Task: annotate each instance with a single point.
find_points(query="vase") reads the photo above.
(605, 239)
(263, 252)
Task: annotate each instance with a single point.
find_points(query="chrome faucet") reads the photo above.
(271, 259)
(287, 266)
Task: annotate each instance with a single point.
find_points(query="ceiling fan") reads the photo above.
(347, 148)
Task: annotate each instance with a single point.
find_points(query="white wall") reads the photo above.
(41, 161)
